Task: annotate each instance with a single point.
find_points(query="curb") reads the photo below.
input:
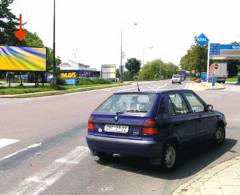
(202, 87)
(201, 178)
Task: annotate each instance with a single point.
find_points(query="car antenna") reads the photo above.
(138, 87)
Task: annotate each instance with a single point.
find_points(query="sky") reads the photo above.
(152, 29)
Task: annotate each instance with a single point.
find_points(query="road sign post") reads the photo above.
(208, 60)
(202, 41)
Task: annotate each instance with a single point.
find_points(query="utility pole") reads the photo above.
(121, 65)
(54, 44)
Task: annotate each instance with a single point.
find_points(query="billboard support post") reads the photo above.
(21, 81)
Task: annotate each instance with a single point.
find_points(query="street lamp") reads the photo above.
(121, 49)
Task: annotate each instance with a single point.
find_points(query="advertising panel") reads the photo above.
(22, 58)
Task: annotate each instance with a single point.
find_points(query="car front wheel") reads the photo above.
(219, 135)
(169, 157)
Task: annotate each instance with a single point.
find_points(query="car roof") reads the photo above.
(155, 92)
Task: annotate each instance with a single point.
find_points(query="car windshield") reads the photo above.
(176, 76)
(123, 103)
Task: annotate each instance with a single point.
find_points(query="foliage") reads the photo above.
(133, 66)
(60, 81)
(156, 70)
(8, 24)
(101, 81)
(195, 59)
(84, 81)
(33, 40)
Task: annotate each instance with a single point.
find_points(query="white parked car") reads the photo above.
(176, 78)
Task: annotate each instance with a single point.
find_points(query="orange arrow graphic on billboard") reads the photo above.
(20, 34)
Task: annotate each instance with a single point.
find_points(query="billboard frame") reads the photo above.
(46, 58)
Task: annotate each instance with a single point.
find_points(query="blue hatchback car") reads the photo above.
(153, 125)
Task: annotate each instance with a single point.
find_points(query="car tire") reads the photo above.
(169, 158)
(104, 157)
(219, 135)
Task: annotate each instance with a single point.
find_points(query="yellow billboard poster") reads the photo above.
(22, 58)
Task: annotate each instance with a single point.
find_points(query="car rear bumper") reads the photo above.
(127, 147)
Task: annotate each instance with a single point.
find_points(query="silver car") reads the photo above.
(176, 78)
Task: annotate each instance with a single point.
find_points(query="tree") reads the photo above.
(33, 40)
(133, 66)
(8, 24)
(156, 70)
(195, 59)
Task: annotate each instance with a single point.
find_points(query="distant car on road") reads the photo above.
(153, 125)
(176, 78)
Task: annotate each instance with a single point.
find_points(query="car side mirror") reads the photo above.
(209, 108)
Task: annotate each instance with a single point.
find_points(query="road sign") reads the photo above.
(202, 40)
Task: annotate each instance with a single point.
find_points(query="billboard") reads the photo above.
(224, 51)
(22, 58)
(108, 71)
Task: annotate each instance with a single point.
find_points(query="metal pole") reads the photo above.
(54, 44)
(121, 66)
(208, 60)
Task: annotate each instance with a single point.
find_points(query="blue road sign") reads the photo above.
(202, 40)
(230, 51)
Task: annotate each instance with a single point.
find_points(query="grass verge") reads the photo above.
(28, 92)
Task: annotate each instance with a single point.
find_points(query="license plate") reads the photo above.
(116, 128)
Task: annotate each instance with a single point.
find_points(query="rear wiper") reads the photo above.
(136, 111)
(120, 112)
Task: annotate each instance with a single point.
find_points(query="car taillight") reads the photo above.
(90, 125)
(150, 127)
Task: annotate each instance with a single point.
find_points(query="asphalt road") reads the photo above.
(43, 147)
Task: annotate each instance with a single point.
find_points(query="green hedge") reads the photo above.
(83, 81)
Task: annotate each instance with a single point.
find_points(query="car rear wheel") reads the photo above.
(219, 135)
(169, 157)
(104, 157)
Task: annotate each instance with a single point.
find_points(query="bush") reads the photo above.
(102, 81)
(60, 81)
(83, 81)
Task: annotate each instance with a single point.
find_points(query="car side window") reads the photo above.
(171, 111)
(178, 104)
(194, 102)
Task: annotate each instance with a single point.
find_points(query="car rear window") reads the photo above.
(123, 103)
(176, 76)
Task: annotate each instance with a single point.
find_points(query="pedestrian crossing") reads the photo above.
(5, 142)
(42, 179)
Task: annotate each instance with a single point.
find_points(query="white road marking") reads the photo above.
(22, 150)
(5, 142)
(49, 175)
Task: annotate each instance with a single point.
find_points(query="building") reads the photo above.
(73, 69)
(108, 71)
